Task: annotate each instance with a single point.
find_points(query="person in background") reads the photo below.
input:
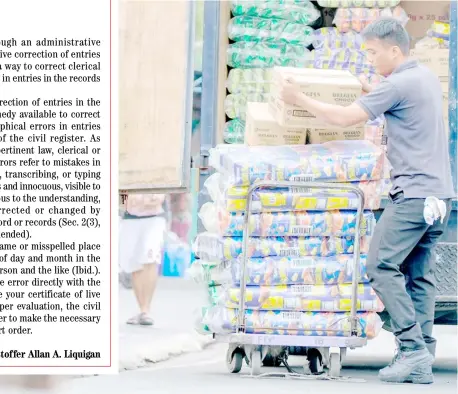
(141, 237)
(410, 97)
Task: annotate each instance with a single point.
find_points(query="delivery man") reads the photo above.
(410, 97)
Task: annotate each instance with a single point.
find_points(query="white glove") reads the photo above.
(434, 209)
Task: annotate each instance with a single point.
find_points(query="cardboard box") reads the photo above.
(320, 136)
(435, 59)
(422, 14)
(338, 91)
(262, 129)
(281, 72)
(445, 85)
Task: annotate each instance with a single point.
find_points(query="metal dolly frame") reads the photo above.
(255, 348)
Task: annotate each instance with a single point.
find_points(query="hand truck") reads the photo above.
(272, 350)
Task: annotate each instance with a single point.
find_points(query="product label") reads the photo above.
(291, 316)
(302, 263)
(288, 252)
(301, 230)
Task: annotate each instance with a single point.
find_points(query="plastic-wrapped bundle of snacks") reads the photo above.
(439, 30)
(353, 60)
(437, 37)
(235, 104)
(386, 181)
(386, 187)
(250, 80)
(332, 38)
(249, 28)
(374, 134)
(275, 271)
(234, 132)
(304, 298)
(234, 198)
(299, 11)
(213, 247)
(262, 54)
(341, 161)
(277, 224)
(224, 320)
(357, 19)
(358, 3)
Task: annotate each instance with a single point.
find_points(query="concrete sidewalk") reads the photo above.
(174, 312)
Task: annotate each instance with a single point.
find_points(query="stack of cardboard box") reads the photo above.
(278, 123)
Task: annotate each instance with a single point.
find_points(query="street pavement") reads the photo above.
(205, 372)
(170, 358)
(174, 310)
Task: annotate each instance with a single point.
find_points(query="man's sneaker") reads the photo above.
(421, 375)
(406, 362)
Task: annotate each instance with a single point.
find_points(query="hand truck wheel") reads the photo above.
(234, 360)
(256, 362)
(315, 361)
(334, 365)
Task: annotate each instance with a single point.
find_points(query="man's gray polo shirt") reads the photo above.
(417, 146)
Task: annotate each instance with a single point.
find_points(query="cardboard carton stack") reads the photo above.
(277, 123)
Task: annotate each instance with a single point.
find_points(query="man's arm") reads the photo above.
(380, 100)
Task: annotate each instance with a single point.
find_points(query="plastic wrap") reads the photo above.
(331, 38)
(210, 273)
(386, 187)
(303, 298)
(374, 134)
(356, 19)
(266, 55)
(358, 3)
(275, 271)
(212, 247)
(214, 294)
(249, 28)
(233, 198)
(353, 60)
(250, 80)
(234, 132)
(222, 320)
(235, 104)
(277, 224)
(439, 30)
(341, 161)
(313, 270)
(432, 43)
(299, 11)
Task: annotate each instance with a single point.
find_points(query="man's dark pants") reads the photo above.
(402, 237)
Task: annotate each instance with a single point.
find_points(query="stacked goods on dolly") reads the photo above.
(264, 34)
(299, 264)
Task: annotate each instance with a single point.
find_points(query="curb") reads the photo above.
(155, 352)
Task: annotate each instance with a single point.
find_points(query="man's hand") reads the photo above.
(290, 92)
(367, 87)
